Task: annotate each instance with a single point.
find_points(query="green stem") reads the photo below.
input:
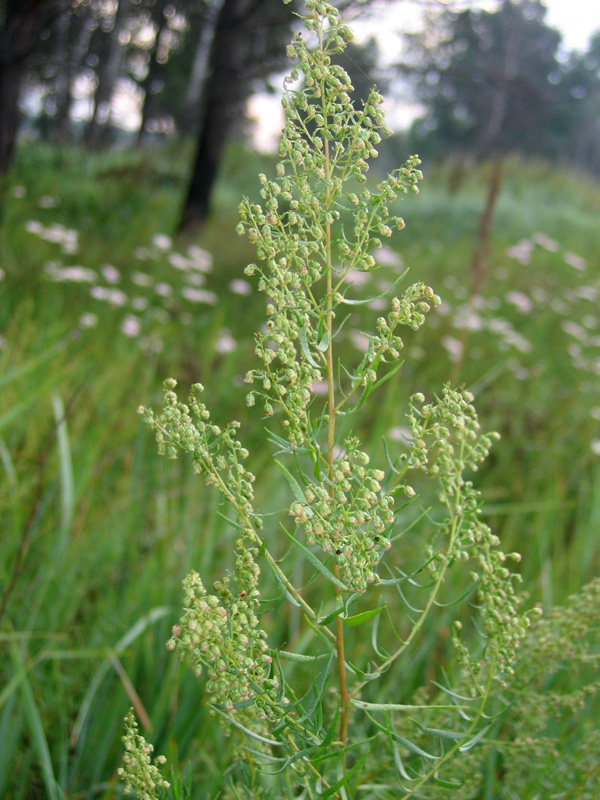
(419, 623)
(448, 755)
(339, 624)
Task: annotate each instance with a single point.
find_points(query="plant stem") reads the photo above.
(339, 624)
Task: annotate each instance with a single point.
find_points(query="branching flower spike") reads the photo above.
(314, 719)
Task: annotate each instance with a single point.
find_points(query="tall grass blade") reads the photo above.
(67, 481)
(36, 729)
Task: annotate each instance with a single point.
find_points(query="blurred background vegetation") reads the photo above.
(125, 148)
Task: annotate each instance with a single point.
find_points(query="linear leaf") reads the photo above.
(444, 734)
(447, 784)
(401, 707)
(36, 729)
(323, 342)
(472, 742)
(303, 339)
(317, 564)
(377, 297)
(317, 630)
(295, 486)
(414, 748)
(67, 481)
(332, 615)
(317, 689)
(136, 630)
(346, 778)
(356, 619)
(285, 655)
(247, 731)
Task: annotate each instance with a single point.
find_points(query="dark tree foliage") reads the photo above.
(583, 75)
(493, 83)
(247, 45)
(21, 22)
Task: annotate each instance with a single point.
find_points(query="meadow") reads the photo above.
(99, 303)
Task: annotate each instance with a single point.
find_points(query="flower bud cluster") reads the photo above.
(446, 442)
(567, 633)
(351, 524)
(219, 633)
(408, 310)
(139, 773)
(217, 454)
(326, 142)
(372, 218)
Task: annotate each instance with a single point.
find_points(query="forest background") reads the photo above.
(124, 150)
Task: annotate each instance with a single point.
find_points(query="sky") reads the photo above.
(577, 20)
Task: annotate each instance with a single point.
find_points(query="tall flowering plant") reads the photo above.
(319, 219)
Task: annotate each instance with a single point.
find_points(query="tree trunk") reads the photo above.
(73, 55)
(146, 84)
(22, 23)
(481, 249)
(222, 105)
(108, 72)
(200, 65)
(63, 75)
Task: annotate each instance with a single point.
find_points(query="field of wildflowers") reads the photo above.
(98, 304)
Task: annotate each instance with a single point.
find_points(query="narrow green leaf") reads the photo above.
(285, 655)
(67, 481)
(317, 564)
(401, 740)
(389, 374)
(357, 619)
(247, 731)
(132, 634)
(375, 644)
(401, 707)
(290, 598)
(399, 764)
(464, 748)
(364, 396)
(404, 531)
(365, 676)
(345, 779)
(36, 729)
(388, 458)
(315, 692)
(447, 784)
(444, 734)
(303, 339)
(377, 297)
(323, 342)
(449, 692)
(229, 521)
(295, 486)
(462, 596)
(339, 609)
(317, 630)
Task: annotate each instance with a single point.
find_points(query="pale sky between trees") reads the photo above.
(577, 20)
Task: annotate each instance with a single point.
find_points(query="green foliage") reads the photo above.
(82, 638)
(314, 225)
(493, 82)
(139, 773)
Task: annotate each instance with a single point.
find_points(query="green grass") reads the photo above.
(98, 531)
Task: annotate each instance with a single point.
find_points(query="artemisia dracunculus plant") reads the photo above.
(348, 729)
